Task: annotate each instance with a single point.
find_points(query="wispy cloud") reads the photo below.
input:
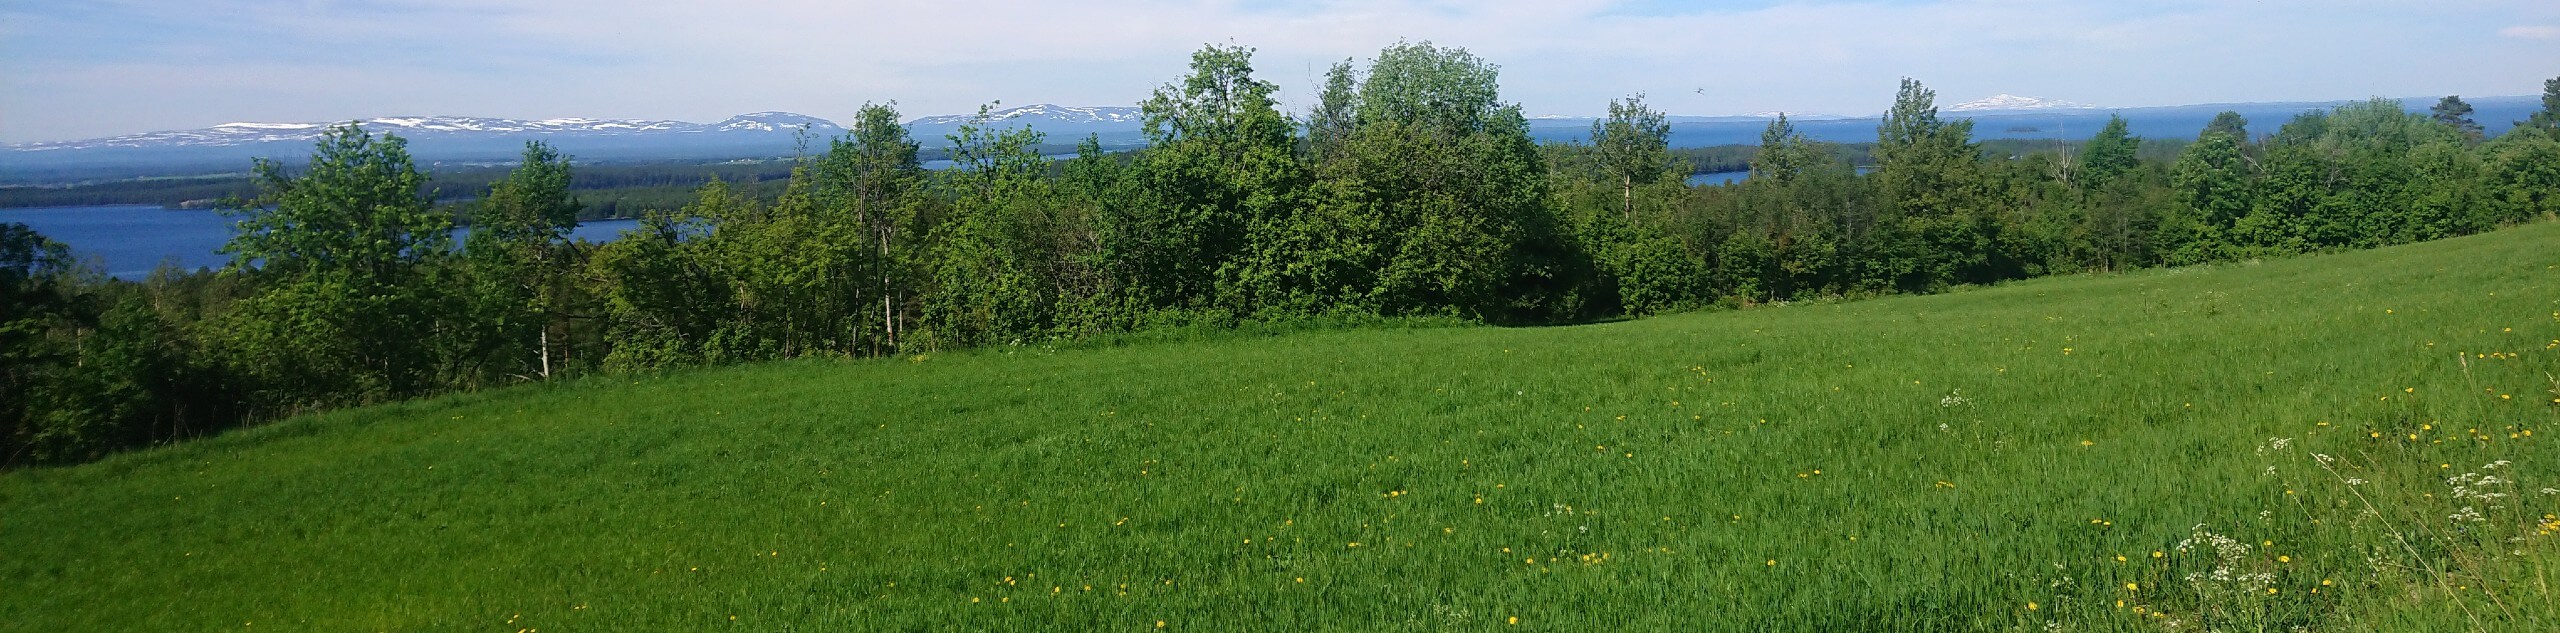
(113, 66)
(2531, 32)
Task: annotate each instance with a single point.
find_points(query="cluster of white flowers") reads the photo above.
(2479, 490)
(2276, 445)
(2228, 573)
(1954, 399)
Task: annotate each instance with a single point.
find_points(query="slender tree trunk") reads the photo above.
(1627, 190)
(546, 349)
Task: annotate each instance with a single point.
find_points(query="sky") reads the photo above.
(91, 68)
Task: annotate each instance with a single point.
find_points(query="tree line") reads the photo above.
(1409, 190)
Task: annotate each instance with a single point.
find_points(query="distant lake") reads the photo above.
(128, 241)
(1718, 178)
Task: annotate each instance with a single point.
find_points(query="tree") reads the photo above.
(1221, 164)
(2210, 184)
(36, 299)
(2107, 156)
(993, 264)
(521, 262)
(1634, 148)
(2548, 118)
(343, 251)
(1337, 107)
(2230, 124)
(1930, 173)
(663, 294)
(2452, 111)
(2523, 179)
(1436, 204)
(865, 198)
(1784, 153)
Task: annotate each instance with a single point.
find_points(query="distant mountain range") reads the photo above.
(442, 127)
(766, 135)
(2013, 103)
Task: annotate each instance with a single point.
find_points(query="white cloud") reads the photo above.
(2531, 32)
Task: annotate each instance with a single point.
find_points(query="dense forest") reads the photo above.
(614, 191)
(1410, 190)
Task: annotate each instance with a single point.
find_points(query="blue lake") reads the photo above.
(1718, 178)
(128, 241)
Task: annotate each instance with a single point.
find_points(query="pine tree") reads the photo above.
(2452, 111)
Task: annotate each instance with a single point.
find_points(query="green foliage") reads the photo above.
(2524, 177)
(2107, 156)
(663, 297)
(2229, 123)
(36, 299)
(995, 274)
(1633, 147)
(1785, 154)
(1222, 165)
(1930, 171)
(345, 252)
(1414, 193)
(2454, 112)
(521, 270)
(1933, 463)
(2211, 184)
(2547, 120)
(1435, 203)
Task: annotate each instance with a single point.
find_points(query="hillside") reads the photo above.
(1994, 459)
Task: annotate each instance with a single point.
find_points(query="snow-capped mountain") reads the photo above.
(440, 128)
(2009, 102)
(1043, 113)
(777, 122)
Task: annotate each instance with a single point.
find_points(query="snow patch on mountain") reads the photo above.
(232, 134)
(2004, 101)
(1044, 113)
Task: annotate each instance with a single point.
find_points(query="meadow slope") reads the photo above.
(2116, 452)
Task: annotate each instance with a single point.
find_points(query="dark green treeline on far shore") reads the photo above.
(1410, 191)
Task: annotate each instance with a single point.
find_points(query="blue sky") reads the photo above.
(102, 67)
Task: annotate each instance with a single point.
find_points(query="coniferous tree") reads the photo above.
(2451, 110)
(2546, 119)
(1929, 171)
(2107, 156)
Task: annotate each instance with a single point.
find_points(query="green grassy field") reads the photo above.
(2126, 452)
